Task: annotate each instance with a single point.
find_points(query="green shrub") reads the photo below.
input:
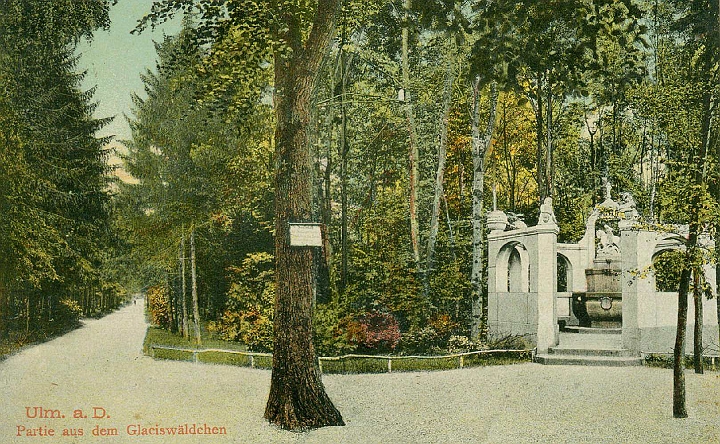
(666, 361)
(419, 342)
(263, 362)
(159, 306)
(329, 338)
(248, 313)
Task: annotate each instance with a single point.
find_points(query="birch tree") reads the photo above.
(480, 145)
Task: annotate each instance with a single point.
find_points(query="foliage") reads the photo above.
(159, 306)
(248, 327)
(420, 341)
(382, 275)
(247, 316)
(68, 312)
(163, 337)
(197, 167)
(374, 332)
(55, 232)
(330, 338)
(667, 267)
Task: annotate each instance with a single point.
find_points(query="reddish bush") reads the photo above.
(372, 332)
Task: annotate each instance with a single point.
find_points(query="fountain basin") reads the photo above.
(602, 310)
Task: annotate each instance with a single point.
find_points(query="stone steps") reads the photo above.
(598, 347)
(604, 361)
(592, 330)
(607, 352)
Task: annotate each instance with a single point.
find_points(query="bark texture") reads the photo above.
(297, 399)
(413, 150)
(183, 290)
(698, 330)
(439, 175)
(480, 145)
(193, 277)
(679, 409)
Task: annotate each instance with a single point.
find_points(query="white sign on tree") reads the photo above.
(305, 235)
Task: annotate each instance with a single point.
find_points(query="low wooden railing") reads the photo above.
(351, 363)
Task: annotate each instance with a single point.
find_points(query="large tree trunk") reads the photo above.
(193, 277)
(480, 145)
(717, 192)
(439, 175)
(413, 150)
(297, 399)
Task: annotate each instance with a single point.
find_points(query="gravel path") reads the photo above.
(101, 365)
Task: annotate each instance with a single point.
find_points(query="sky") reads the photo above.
(115, 59)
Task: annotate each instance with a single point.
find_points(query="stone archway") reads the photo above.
(521, 283)
(667, 278)
(512, 268)
(650, 316)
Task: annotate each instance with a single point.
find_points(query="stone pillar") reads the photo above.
(544, 278)
(638, 291)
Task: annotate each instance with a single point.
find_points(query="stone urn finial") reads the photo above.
(497, 220)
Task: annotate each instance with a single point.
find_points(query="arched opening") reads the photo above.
(667, 262)
(564, 274)
(667, 267)
(513, 269)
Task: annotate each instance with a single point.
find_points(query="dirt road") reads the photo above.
(98, 373)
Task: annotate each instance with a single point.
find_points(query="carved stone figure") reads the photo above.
(627, 207)
(608, 245)
(547, 214)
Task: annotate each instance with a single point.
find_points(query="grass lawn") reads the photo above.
(186, 350)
